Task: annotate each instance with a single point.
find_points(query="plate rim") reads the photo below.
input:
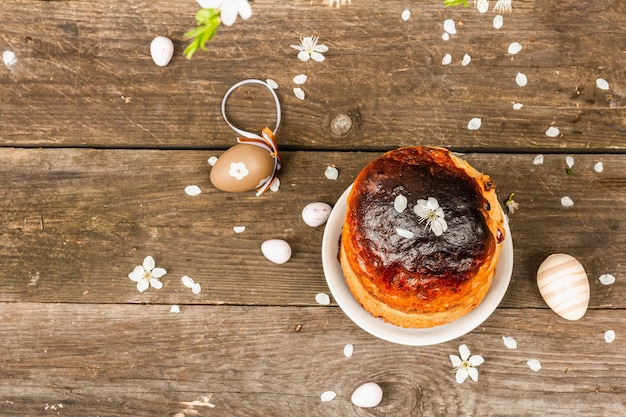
(396, 334)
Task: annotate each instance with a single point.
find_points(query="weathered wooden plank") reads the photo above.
(74, 223)
(84, 76)
(118, 360)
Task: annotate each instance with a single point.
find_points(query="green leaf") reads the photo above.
(208, 22)
(450, 3)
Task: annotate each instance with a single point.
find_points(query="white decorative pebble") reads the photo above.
(498, 21)
(445, 36)
(348, 350)
(161, 50)
(300, 79)
(534, 364)
(553, 132)
(509, 342)
(447, 58)
(316, 214)
(322, 299)
(449, 25)
(9, 58)
(212, 160)
(466, 60)
(607, 279)
(276, 250)
(517, 106)
(521, 79)
(407, 234)
(367, 395)
(474, 123)
(567, 201)
(538, 160)
(514, 48)
(609, 336)
(273, 84)
(239, 229)
(598, 167)
(569, 160)
(175, 309)
(299, 93)
(328, 396)
(602, 84)
(406, 14)
(331, 173)
(192, 190)
(400, 203)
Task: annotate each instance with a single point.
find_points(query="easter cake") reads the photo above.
(421, 237)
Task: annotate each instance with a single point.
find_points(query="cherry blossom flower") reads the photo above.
(465, 365)
(146, 275)
(339, 2)
(310, 49)
(503, 6)
(430, 211)
(229, 9)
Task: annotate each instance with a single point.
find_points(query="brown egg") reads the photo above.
(242, 168)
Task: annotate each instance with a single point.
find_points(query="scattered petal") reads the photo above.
(299, 93)
(498, 21)
(567, 202)
(482, 6)
(474, 123)
(445, 36)
(300, 79)
(196, 288)
(446, 59)
(538, 160)
(569, 160)
(192, 190)
(273, 84)
(143, 285)
(328, 396)
(602, 84)
(348, 350)
(466, 60)
(534, 364)
(275, 185)
(239, 229)
(406, 14)
(607, 279)
(400, 203)
(517, 106)
(449, 25)
(175, 309)
(407, 234)
(609, 336)
(521, 79)
(331, 173)
(322, 299)
(9, 58)
(553, 132)
(187, 281)
(212, 160)
(598, 167)
(509, 342)
(515, 47)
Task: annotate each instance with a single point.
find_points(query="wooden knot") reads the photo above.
(341, 124)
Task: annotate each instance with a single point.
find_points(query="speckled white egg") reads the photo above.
(564, 285)
(161, 50)
(316, 214)
(367, 395)
(243, 167)
(276, 250)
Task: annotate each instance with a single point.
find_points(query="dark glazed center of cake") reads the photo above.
(422, 261)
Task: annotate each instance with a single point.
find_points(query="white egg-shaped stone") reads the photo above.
(316, 214)
(564, 285)
(161, 50)
(367, 395)
(276, 250)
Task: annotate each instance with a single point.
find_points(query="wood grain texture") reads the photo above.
(84, 76)
(145, 361)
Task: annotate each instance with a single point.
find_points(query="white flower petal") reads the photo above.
(322, 299)
(569, 160)
(155, 283)
(509, 342)
(461, 375)
(148, 263)
(331, 173)
(534, 364)
(514, 48)
(187, 281)
(228, 13)
(212, 160)
(482, 6)
(466, 60)
(158, 272)
(400, 203)
(196, 288)
(304, 56)
(142, 285)
(598, 167)
(407, 234)
(348, 350)
(436, 227)
(464, 351)
(538, 160)
(473, 374)
(300, 79)
(245, 10)
(474, 123)
(210, 4)
(239, 229)
(275, 185)
(498, 21)
(456, 361)
(602, 84)
(192, 190)
(447, 58)
(607, 279)
(137, 273)
(317, 57)
(609, 336)
(175, 308)
(273, 84)
(521, 79)
(553, 132)
(406, 14)
(432, 203)
(449, 25)
(299, 93)
(476, 360)
(328, 396)
(517, 106)
(445, 36)
(567, 201)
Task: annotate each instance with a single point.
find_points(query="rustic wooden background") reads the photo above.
(98, 145)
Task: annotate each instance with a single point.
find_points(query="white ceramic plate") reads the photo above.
(378, 327)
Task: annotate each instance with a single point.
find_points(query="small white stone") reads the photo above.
(514, 48)
(175, 309)
(449, 25)
(407, 234)
(187, 281)
(474, 123)
(553, 132)
(609, 336)
(598, 167)
(602, 84)
(538, 160)
(212, 160)
(316, 214)
(348, 350)
(466, 60)
(300, 79)
(400, 203)
(447, 58)
(322, 299)
(328, 396)
(534, 364)
(273, 84)
(299, 93)
(161, 50)
(498, 21)
(517, 106)
(569, 160)
(521, 79)
(331, 173)
(239, 229)
(406, 14)
(192, 190)
(367, 395)
(607, 279)
(567, 201)
(276, 250)
(9, 58)
(445, 36)
(509, 342)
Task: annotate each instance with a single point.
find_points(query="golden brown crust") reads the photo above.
(422, 280)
